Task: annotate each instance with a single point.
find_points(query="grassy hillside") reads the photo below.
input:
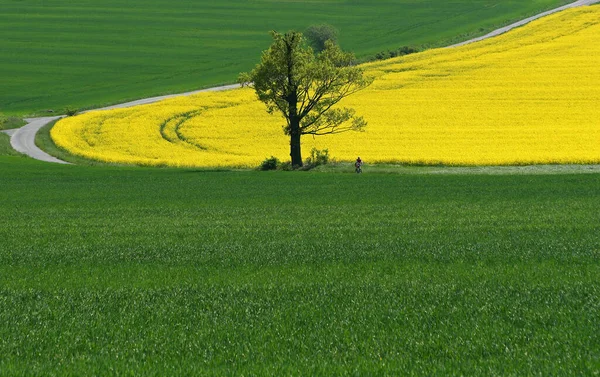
(165, 272)
(88, 53)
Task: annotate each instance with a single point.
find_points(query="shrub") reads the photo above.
(286, 166)
(317, 157)
(270, 163)
(407, 50)
(404, 50)
(70, 111)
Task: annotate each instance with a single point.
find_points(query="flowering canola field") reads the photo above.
(529, 96)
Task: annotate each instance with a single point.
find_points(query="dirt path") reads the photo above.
(23, 139)
(10, 132)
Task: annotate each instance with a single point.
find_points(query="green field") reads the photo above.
(170, 272)
(88, 53)
(398, 271)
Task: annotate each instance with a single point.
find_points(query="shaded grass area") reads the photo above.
(91, 53)
(163, 271)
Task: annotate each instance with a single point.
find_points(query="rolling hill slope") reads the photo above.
(89, 53)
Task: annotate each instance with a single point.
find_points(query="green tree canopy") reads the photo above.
(318, 35)
(304, 88)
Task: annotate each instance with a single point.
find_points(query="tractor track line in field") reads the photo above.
(23, 139)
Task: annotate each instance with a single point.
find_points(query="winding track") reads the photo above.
(23, 139)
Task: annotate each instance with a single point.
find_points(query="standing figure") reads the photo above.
(358, 165)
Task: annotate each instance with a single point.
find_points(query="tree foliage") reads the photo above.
(304, 88)
(318, 35)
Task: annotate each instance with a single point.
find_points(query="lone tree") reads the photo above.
(304, 87)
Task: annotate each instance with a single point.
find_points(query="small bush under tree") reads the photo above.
(285, 166)
(317, 157)
(271, 163)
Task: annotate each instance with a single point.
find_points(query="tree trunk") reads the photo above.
(295, 150)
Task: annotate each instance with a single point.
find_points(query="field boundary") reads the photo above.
(517, 24)
(23, 139)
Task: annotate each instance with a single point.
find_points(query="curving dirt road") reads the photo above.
(23, 139)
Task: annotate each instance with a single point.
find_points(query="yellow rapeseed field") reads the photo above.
(529, 96)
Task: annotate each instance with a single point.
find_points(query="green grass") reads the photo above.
(341, 167)
(183, 272)
(5, 147)
(427, 271)
(90, 53)
(10, 122)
